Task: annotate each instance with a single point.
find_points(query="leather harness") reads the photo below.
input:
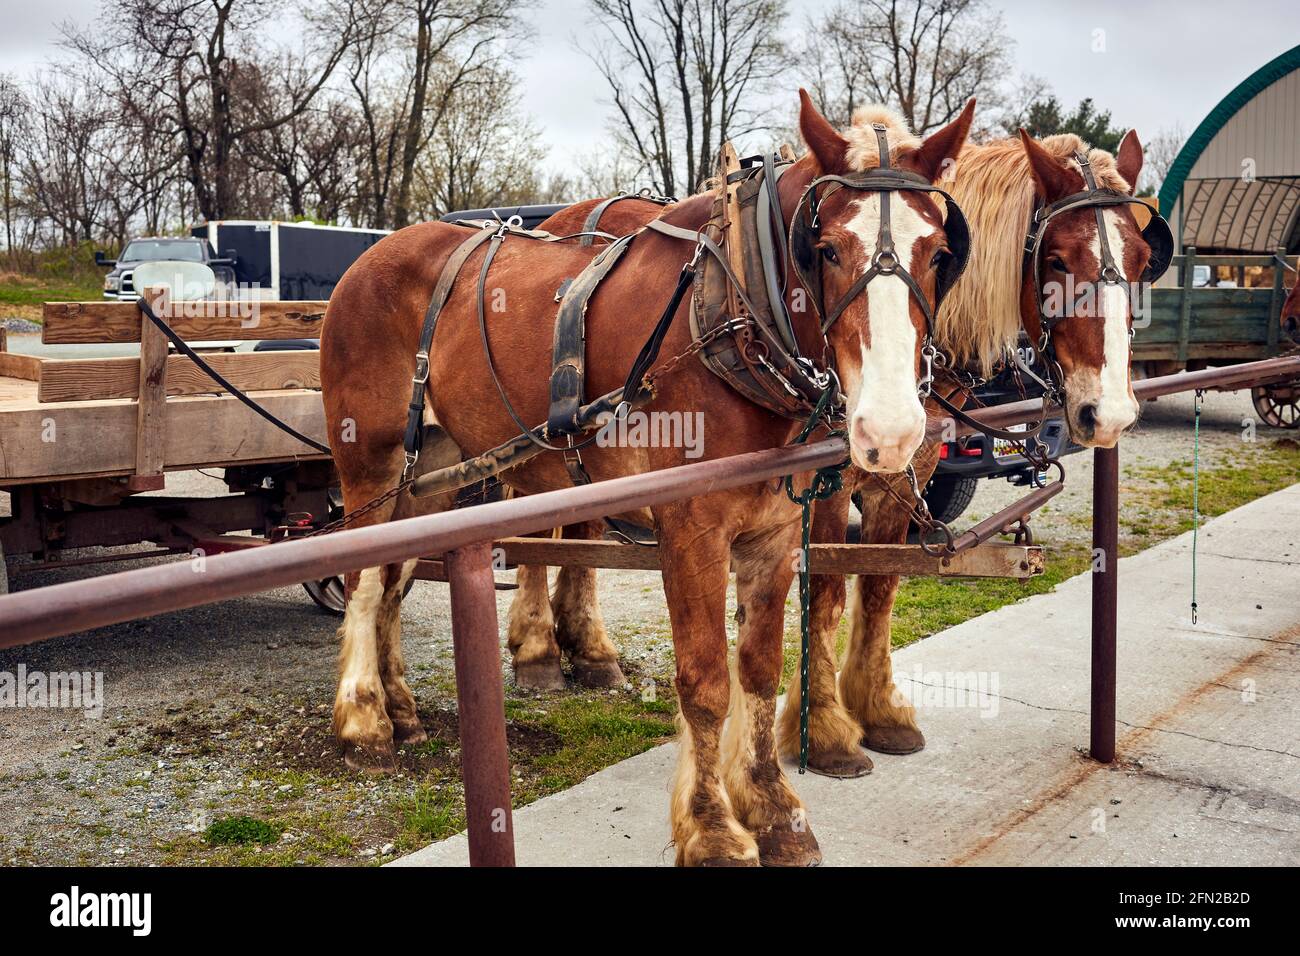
(740, 322)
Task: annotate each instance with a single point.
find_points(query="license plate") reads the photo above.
(1004, 447)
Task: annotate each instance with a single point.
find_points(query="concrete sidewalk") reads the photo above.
(1208, 770)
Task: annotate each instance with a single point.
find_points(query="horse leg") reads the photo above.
(530, 631)
(361, 722)
(705, 830)
(762, 797)
(867, 681)
(833, 733)
(399, 702)
(579, 627)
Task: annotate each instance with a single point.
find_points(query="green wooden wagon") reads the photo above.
(1190, 325)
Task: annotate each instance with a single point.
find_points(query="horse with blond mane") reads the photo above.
(731, 803)
(1000, 185)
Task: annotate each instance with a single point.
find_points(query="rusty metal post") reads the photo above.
(484, 760)
(1105, 596)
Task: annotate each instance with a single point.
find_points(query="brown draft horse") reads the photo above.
(731, 802)
(997, 184)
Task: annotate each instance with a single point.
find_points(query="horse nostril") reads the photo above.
(1088, 417)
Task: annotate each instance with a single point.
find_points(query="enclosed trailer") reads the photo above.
(286, 260)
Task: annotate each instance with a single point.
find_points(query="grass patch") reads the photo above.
(241, 831)
(430, 814)
(591, 732)
(31, 291)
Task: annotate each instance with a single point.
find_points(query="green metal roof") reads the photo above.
(1243, 93)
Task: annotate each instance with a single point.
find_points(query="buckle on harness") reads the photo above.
(421, 376)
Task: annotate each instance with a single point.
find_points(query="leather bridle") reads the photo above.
(1156, 234)
(805, 226)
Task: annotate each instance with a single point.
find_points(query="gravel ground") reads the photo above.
(224, 709)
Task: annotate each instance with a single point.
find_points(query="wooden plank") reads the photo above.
(26, 367)
(93, 439)
(70, 323)
(1230, 351)
(151, 402)
(994, 559)
(1185, 304)
(77, 380)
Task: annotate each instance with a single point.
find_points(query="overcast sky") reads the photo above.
(1165, 63)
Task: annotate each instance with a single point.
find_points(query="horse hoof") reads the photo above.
(893, 739)
(406, 736)
(782, 846)
(375, 760)
(842, 766)
(599, 674)
(539, 675)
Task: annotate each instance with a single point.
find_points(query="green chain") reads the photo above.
(1196, 488)
(826, 481)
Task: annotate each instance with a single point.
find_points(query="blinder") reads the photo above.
(1157, 235)
(885, 179)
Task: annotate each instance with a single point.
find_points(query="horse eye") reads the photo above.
(1057, 264)
(939, 257)
(828, 253)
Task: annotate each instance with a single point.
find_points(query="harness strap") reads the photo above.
(568, 367)
(774, 255)
(414, 438)
(793, 375)
(961, 416)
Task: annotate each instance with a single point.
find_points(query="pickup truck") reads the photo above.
(119, 284)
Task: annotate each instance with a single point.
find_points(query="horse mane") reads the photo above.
(980, 318)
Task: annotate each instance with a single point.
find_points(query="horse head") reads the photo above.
(1086, 262)
(872, 248)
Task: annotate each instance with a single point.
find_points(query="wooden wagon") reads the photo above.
(82, 438)
(1191, 326)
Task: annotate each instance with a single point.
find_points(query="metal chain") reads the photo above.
(826, 482)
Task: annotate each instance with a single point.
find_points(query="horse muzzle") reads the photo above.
(1099, 423)
(885, 446)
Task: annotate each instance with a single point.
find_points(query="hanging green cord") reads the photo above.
(1196, 488)
(826, 481)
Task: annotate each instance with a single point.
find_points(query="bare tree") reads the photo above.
(311, 154)
(177, 52)
(13, 126)
(685, 70)
(483, 153)
(410, 59)
(63, 174)
(924, 57)
(1159, 154)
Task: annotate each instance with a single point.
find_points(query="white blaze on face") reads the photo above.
(887, 418)
(1107, 392)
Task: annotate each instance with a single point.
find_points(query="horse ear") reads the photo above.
(1128, 161)
(1051, 178)
(827, 145)
(937, 155)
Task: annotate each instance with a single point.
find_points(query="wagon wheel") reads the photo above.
(328, 593)
(1278, 405)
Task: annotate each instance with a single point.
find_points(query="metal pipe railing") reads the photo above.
(1266, 371)
(112, 598)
